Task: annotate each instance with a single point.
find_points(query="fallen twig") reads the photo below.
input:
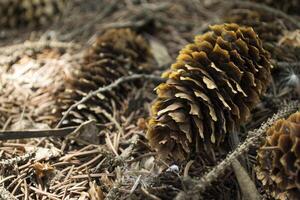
(17, 159)
(11, 135)
(137, 182)
(107, 88)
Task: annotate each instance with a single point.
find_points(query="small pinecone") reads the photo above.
(278, 160)
(116, 53)
(290, 6)
(211, 88)
(17, 13)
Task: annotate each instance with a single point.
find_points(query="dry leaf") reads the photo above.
(159, 52)
(41, 169)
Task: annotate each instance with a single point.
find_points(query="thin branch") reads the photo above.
(12, 135)
(44, 193)
(113, 120)
(18, 159)
(126, 24)
(107, 88)
(136, 184)
(252, 139)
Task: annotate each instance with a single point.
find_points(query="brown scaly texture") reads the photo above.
(116, 53)
(269, 28)
(278, 159)
(211, 88)
(290, 6)
(274, 33)
(16, 13)
(265, 25)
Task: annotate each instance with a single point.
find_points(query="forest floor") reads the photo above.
(121, 164)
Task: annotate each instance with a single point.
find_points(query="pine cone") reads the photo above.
(117, 53)
(211, 88)
(16, 13)
(278, 159)
(273, 31)
(290, 7)
(270, 29)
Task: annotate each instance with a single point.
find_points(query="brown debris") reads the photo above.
(114, 160)
(62, 175)
(18, 13)
(29, 88)
(211, 88)
(278, 159)
(291, 38)
(41, 169)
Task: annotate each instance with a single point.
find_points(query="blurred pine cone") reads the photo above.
(116, 53)
(278, 159)
(211, 88)
(290, 6)
(269, 27)
(272, 30)
(16, 13)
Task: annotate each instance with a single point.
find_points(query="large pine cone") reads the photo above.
(116, 53)
(16, 13)
(278, 160)
(211, 88)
